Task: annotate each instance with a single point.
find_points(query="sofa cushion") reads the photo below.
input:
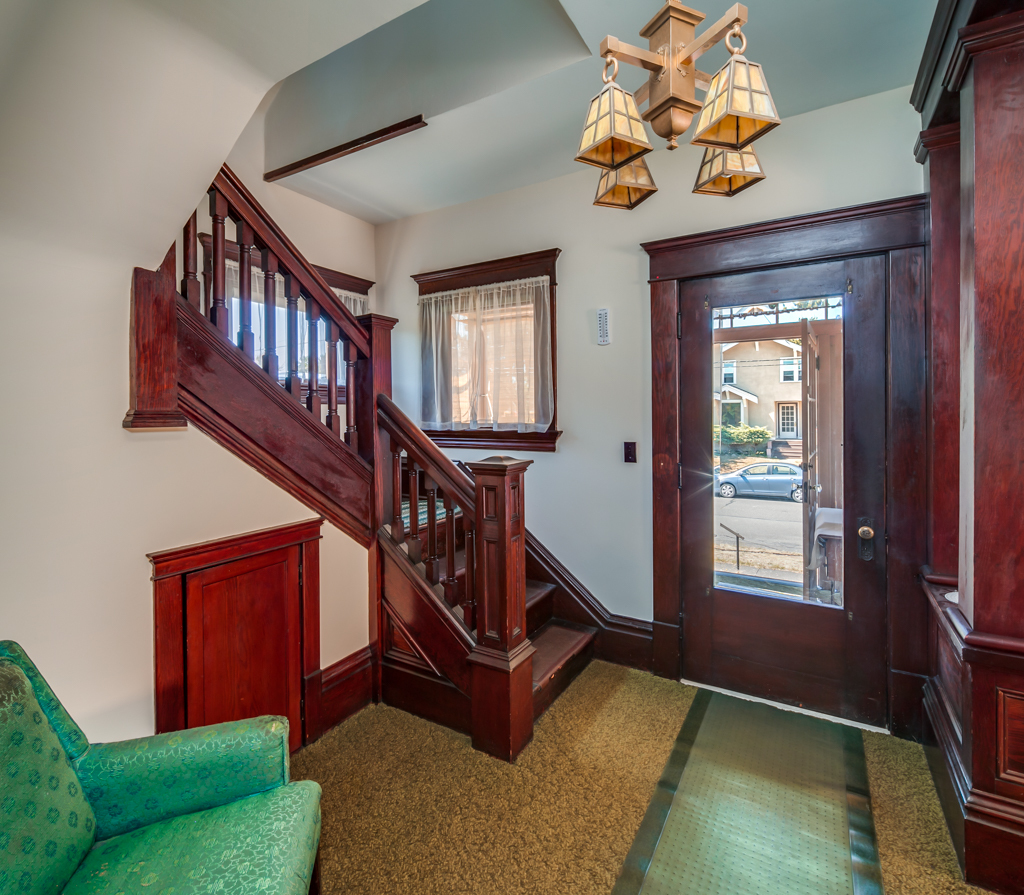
(265, 843)
(46, 825)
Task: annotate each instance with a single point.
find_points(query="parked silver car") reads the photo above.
(762, 480)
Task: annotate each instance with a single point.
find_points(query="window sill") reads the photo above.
(488, 438)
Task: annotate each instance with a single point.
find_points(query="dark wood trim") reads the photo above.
(346, 687)
(181, 560)
(1001, 33)
(334, 278)
(336, 152)
(221, 391)
(874, 228)
(170, 571)
(488, 439)
(483, 273)
(928, 96)
(425, 695)
(620, 639)
(941, 137)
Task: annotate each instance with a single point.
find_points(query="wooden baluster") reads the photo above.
(351, 355)
(415, 544)
(219, 316)
(333, 420)
(469, 604)
(451, 585)
(246, 341)
(270, 314)
(313, 321)
(190, 263)
(397, 526)
(293, 383)
(430, 562)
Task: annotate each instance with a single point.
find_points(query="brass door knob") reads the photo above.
(866, 532)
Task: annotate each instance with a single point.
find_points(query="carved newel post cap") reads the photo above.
(498, 465)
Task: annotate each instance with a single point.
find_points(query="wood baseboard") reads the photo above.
(345, 688)
(424, 694)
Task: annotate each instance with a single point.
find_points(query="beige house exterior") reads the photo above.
(759, 383)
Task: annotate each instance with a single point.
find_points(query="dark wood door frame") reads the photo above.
(896, 229)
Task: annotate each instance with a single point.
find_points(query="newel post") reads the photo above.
(502, 661)
(153, 350)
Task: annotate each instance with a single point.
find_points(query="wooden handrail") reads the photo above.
(269, 236)
(427, 455)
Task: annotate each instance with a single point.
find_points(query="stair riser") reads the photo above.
(539, 614)
(555, 685)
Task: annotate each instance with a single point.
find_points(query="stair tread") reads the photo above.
(537, 591)
(556, 643)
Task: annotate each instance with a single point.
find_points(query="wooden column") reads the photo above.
(987, 69)
(333, 420)
(190, 263)
(313, 322)
(939, 149)
(246, 341)
(502, 660)
(294, 382)
(153, 350)
(219, 315)
(270, 362)
(373, 377)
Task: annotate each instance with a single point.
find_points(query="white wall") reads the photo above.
(592, 510)
(111, 126)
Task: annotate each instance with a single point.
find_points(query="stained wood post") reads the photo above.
(153, 350)
(270, 362)
(190, 262)
(313, 322)
(294, 382)
(219, 316)
(372, 377)
(246, 341)
(333, 420)
(351, 355)
(502, 660)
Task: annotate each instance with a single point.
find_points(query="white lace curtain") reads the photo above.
(486, 357)
(356, 303)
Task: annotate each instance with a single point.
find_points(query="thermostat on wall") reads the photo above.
(604, 328)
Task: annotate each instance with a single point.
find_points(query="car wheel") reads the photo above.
(798, 495)
(727, 490)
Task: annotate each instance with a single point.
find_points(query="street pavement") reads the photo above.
(764, 522)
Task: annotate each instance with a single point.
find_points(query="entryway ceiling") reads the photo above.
(504, 87)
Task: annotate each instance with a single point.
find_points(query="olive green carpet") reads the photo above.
(410, 808)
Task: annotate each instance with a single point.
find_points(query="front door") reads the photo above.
(780, 596)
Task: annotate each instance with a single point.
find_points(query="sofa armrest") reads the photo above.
(135, 783)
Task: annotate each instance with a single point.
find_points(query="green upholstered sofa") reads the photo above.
(205, 810)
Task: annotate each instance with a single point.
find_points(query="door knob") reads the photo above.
(866, 534)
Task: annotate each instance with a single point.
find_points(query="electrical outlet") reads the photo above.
(629, 451)
(604, 327)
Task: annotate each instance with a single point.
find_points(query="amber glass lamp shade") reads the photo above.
(614, 132)
(725, 172)
(626, 186)
(738, 107)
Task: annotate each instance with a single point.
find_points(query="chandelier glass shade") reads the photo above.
(614, 133)
(626, 186)
(738, 107)
(725, 172)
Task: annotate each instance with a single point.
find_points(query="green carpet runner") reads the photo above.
(758, 801)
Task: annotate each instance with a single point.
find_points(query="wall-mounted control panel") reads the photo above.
(629, 451)
(604, 327)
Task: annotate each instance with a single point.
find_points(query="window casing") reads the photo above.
(790, 369)
(476, 393)
(729, 372)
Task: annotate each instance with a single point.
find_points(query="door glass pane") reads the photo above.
(778, 448)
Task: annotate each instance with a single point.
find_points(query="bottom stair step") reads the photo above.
(563, 650)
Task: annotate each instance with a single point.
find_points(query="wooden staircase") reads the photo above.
(474, 624)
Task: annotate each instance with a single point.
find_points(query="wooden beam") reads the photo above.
(364, 142)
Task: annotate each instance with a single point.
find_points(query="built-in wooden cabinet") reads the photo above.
(238, 630)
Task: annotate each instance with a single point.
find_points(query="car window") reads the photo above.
(784, 470)
(756, 470)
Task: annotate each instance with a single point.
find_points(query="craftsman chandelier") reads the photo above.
(737, 109)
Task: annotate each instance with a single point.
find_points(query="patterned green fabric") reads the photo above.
(138, 782)
(46, 825)
(264, 843)
(71, 736)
